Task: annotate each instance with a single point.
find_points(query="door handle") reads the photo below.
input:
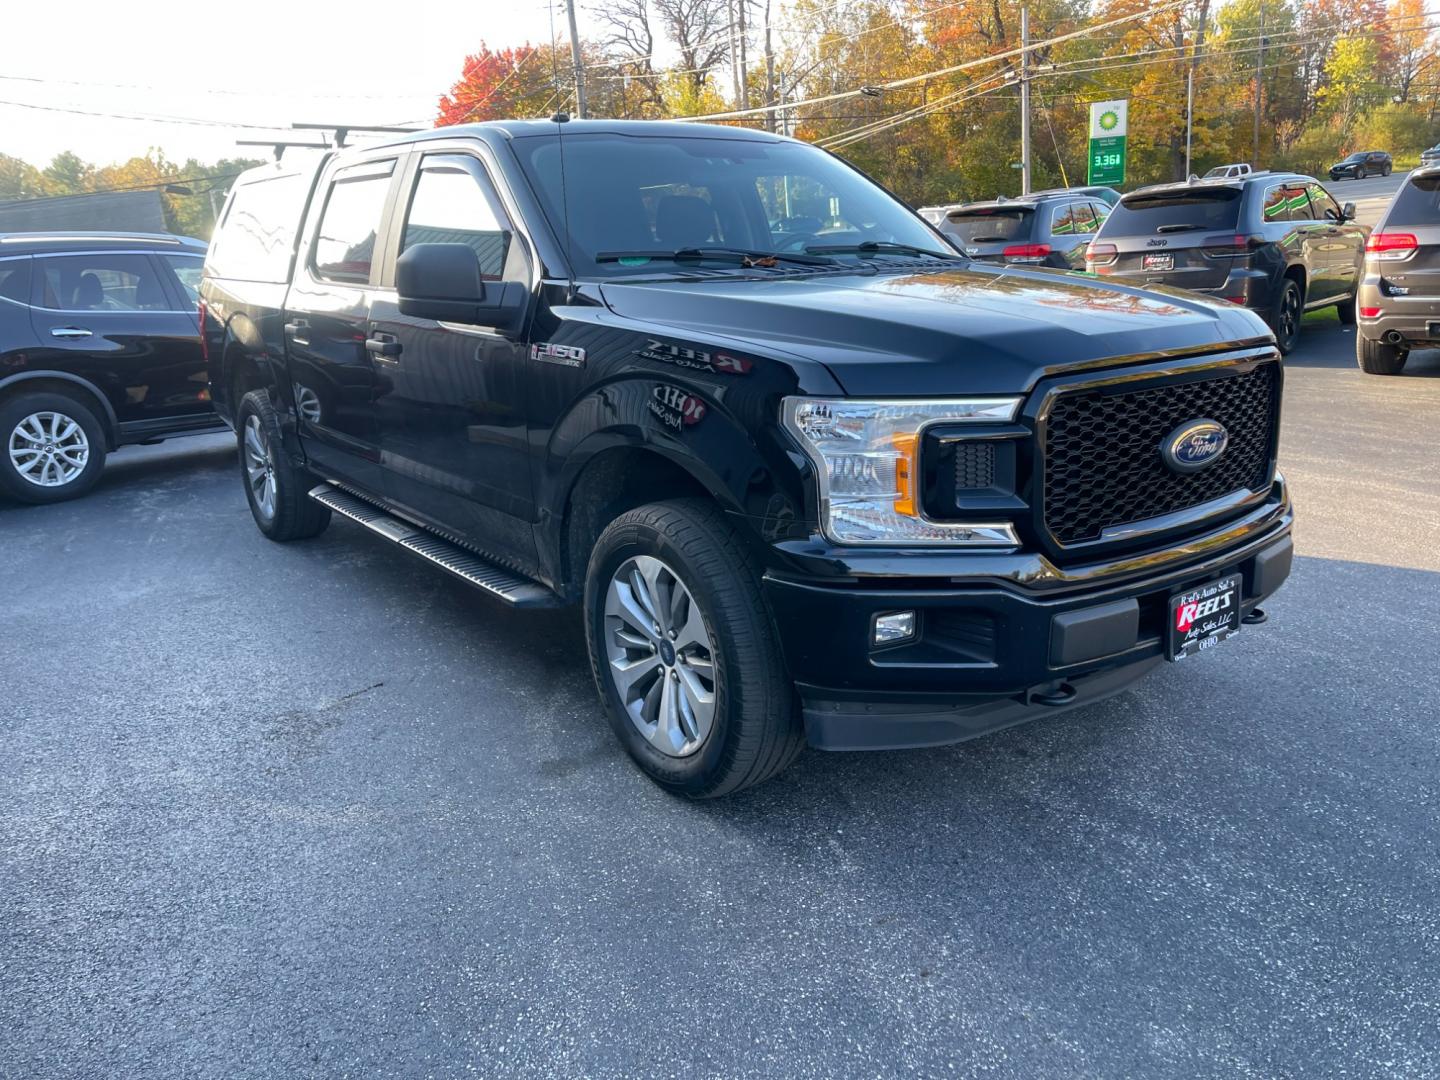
(383, 345)
(70, 332)
(297, 327)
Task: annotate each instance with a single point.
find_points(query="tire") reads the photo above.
(277, 491)
(753, 729)
(1346, 311)
(1284, 317)
(1378, 358)
(1360, 174)
(52, 447)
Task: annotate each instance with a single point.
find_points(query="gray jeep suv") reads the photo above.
(1277, 243)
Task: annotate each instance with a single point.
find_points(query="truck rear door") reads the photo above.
(1184, 237)
(335, 379)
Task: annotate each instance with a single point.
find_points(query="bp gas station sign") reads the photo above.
(1109, 122)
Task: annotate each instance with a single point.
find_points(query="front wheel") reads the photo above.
(54, 448)
(277, 491)
(683, 651)
(1378, 358)
(1285, 316)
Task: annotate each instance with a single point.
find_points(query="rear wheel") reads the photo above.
(54, 448)
(683, 651)
(277, 491)
(1285, 315)
(1378, 358)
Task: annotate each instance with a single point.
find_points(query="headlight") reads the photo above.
(866, 456)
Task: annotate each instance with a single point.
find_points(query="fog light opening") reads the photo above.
(893, 627)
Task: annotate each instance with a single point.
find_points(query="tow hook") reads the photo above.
(1255, 618)
(1061, 693)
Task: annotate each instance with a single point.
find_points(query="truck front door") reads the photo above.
(451, 416)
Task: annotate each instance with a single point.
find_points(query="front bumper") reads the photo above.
(996, 649)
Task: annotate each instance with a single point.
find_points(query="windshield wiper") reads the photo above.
(878, 247)
(738, 256)
(1186, 227)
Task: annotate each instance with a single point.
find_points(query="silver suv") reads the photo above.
(1399, 299)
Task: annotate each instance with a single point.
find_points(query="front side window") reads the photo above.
(1323, 203)
(349, 224)
(454, 203)
(623, 196)
(102, 283)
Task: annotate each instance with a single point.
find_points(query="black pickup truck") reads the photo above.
(813, 475)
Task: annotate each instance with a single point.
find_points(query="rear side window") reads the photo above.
(986, 225)
(256, 240)
(102, 283)
(1417, 202)
(1140, 215)
(15, 281)
(345, 244)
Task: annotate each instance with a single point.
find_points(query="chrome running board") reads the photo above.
(503, 584)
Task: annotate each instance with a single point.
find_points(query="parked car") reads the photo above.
(1229, 172)
(1044, 229)
(854, 490)
(1361, 164)
(1399, 301)
(99, 347)
(1277, 243)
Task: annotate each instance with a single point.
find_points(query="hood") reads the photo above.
(974, 330)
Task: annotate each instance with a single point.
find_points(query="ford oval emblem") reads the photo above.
(1194, 445)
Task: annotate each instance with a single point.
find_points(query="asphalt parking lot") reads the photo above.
(312, 810)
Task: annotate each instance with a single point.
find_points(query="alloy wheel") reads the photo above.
(661, 658)
(1289, 315)
(259, 469)
(49, 449)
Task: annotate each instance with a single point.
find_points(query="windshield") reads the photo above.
(630, 195)
(989, 224)
(1215, 208)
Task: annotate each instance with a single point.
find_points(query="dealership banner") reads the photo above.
(1109, 123)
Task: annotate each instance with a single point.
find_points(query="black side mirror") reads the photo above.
(445, 282)
(1347, 212)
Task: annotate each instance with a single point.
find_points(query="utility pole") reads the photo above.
(1025, 101)
(769, 71)
(744, 64)
(734, 50)
(580, 109)
(1259, 86)
(1189, 116)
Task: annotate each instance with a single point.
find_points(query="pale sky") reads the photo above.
(235, 62)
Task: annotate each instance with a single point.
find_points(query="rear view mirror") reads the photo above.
(1347, 212)
(445, 282)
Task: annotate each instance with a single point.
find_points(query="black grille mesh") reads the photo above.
(974, 465)
(1102, 452)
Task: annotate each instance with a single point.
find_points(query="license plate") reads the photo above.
(1159, 262)
(1203, 617)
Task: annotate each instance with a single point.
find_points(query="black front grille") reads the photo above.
(1103, 466)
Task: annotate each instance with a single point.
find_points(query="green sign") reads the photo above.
(1107, 160)
(1109, 126)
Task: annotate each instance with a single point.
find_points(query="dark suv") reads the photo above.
(1399, 302)
(1361, 164)
(1277, 243)
(99, 347)
(842, 486)
(1045, 229)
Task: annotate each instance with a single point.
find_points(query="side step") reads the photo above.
(504, 585)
